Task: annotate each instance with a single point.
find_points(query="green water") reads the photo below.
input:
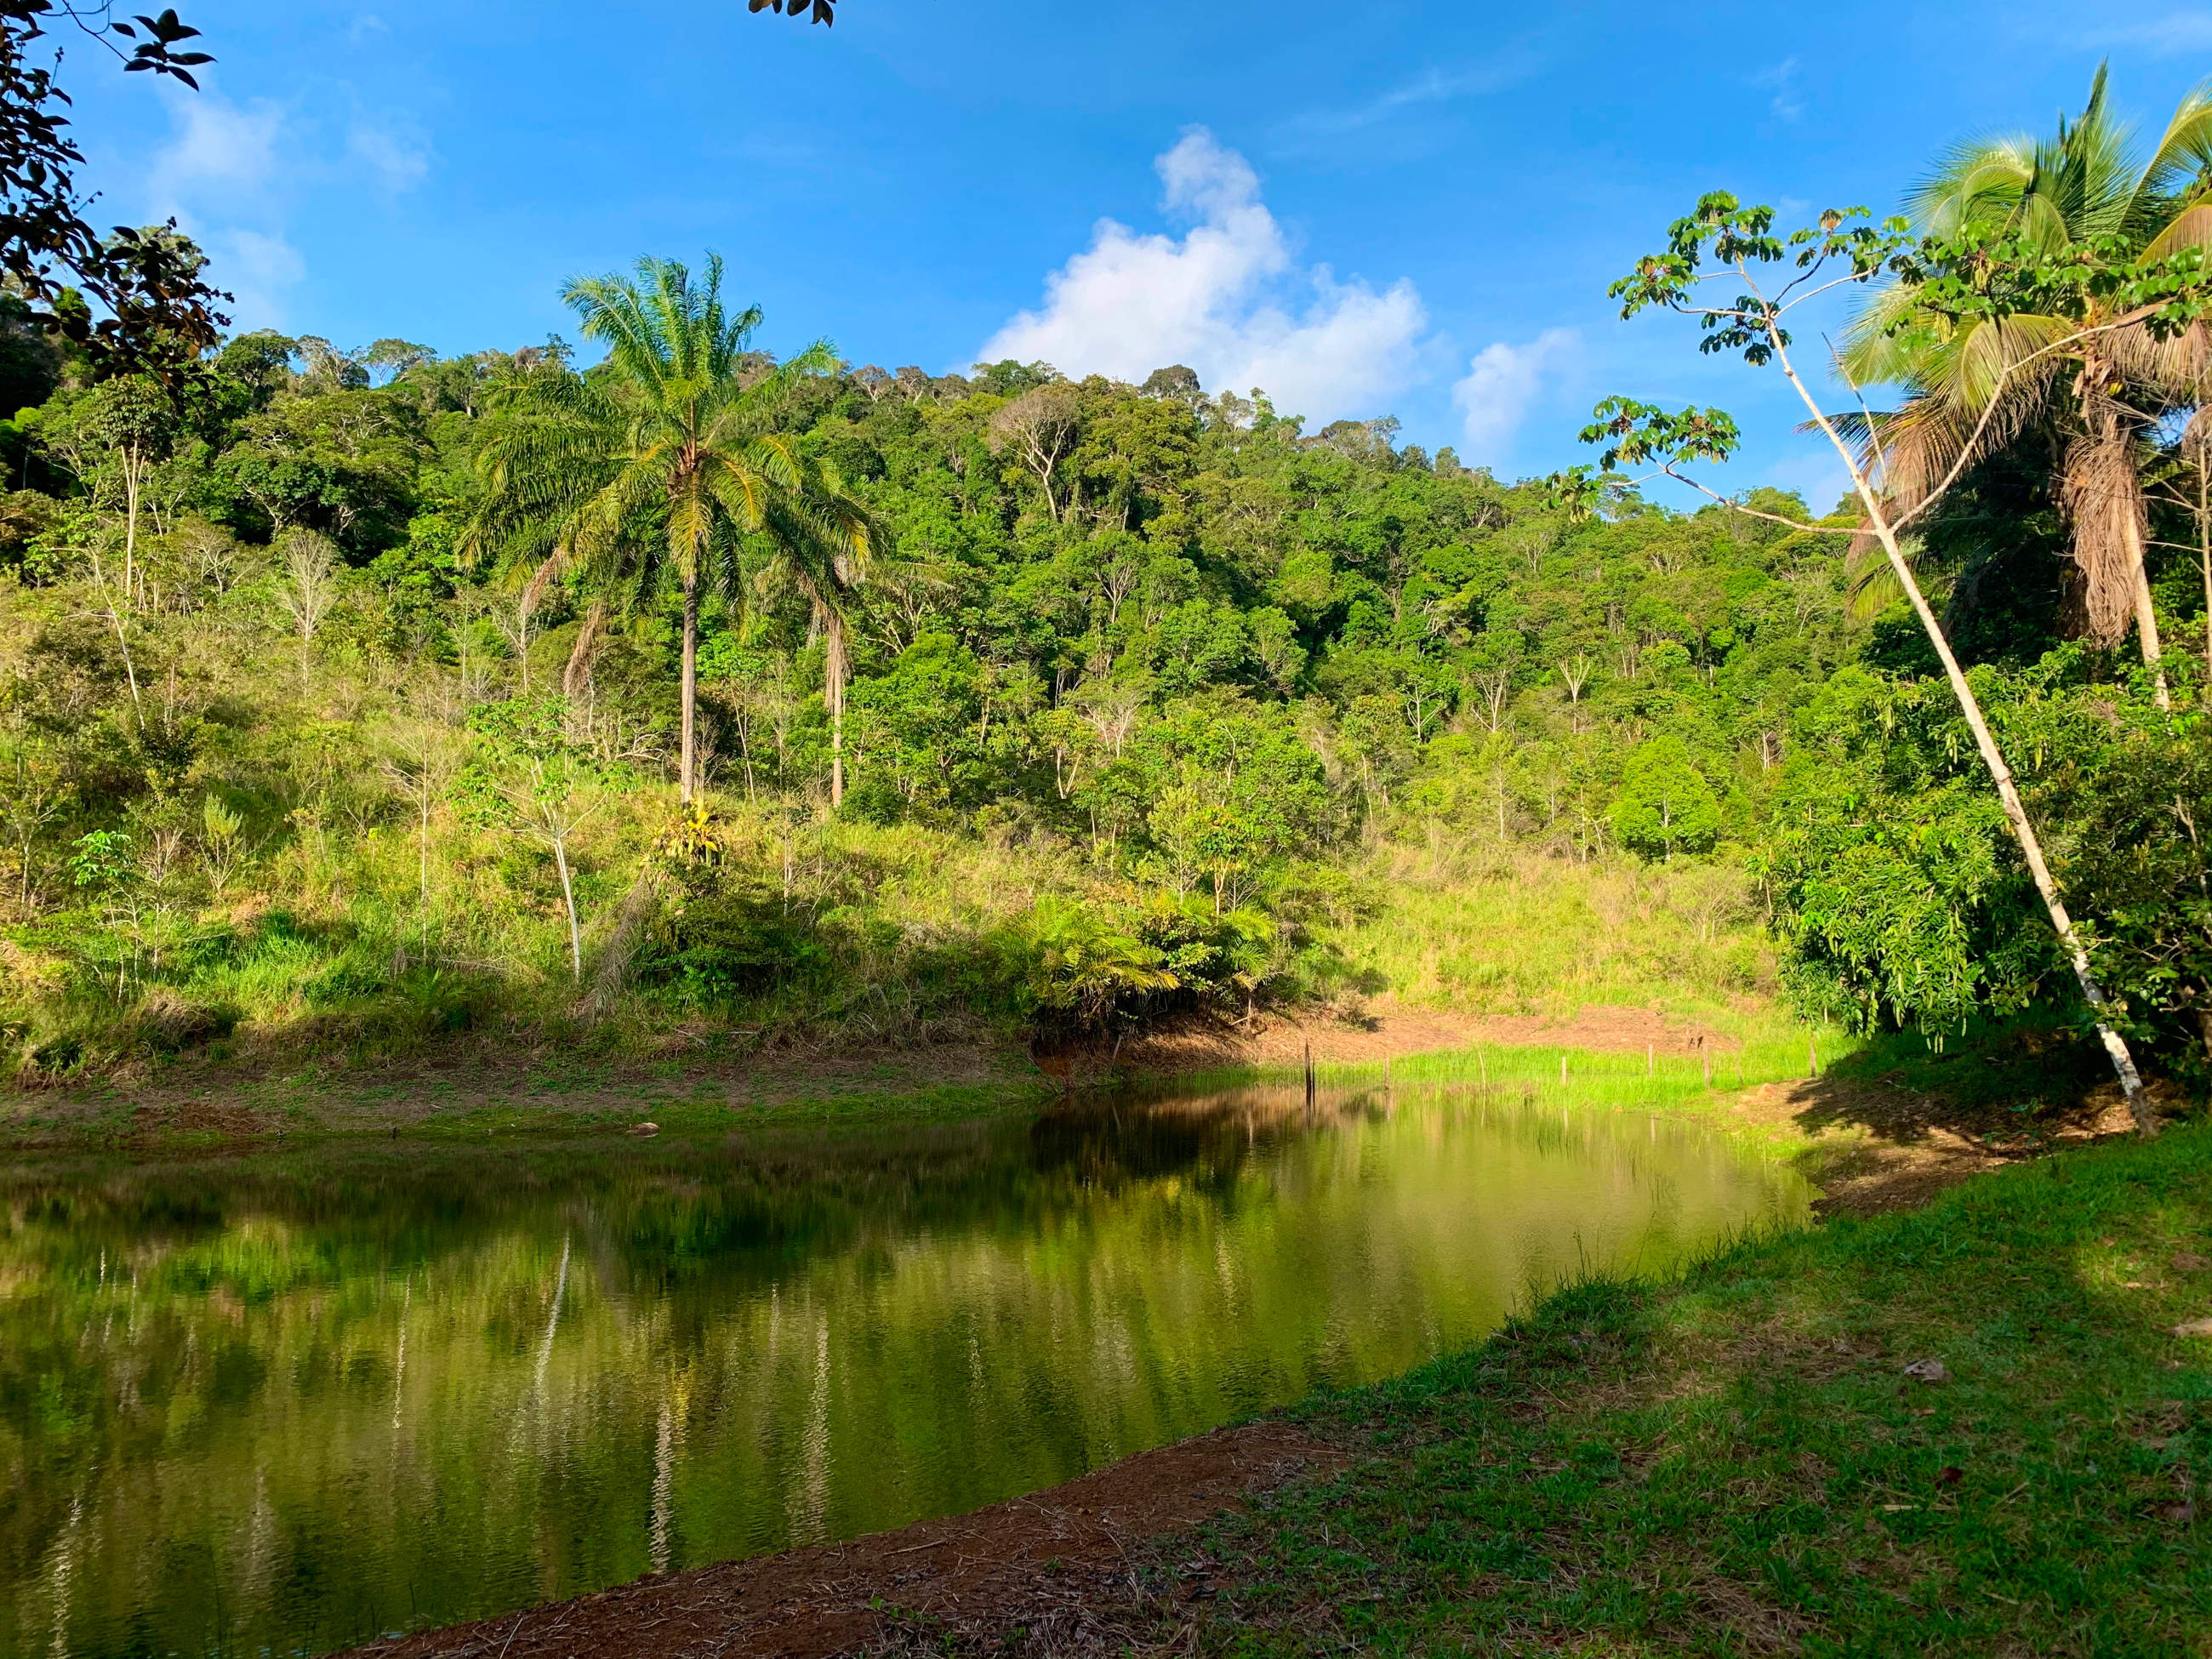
(284, 1403)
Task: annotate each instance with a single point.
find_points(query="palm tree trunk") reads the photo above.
(833, 692)
(2030, 845)
(2147, 629)
(688, 780)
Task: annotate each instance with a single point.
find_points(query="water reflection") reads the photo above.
(287, 1403)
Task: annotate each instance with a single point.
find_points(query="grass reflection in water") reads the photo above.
(284, 1403)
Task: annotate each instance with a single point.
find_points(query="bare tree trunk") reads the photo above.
(2031, 846)
(834, 694)
(568, 898)
(688, 764)
(2204, 563)
(123, 644)
(425, 869)
(133, 471)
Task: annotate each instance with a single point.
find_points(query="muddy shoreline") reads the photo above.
(540, 1086)
(1065, 1557)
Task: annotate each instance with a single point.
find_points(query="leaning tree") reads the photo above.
(1978, 275)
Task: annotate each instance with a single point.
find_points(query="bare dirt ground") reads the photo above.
(1878, 1148)
(1389, 1030)
(542, 1083)
(1060, 1559)
(539, 1084)
(1874, 1144)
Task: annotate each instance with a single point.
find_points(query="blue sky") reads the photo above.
(1394, 206)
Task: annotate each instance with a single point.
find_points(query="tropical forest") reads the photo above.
(668, 986)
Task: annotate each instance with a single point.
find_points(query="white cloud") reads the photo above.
(2168, 36)
(259, 268)
(1435, 86)
(1226, 299)
(219, 149)
(231, 175)
(395, 156)
(1780, 80)
(1501, 385)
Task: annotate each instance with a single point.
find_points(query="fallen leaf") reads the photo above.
(2194, 1327)
(1949, 1475)
(647, 1129)
(1931, 1370)
(2180, 1514)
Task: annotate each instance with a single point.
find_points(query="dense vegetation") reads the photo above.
(351, 697)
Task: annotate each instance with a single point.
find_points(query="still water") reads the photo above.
(280, 1404)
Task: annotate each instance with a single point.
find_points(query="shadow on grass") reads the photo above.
(1918, 1114)
(1741, 1462)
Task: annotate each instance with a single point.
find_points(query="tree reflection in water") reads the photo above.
(290, 1402)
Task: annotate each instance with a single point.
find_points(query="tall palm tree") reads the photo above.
(825, 561)
(2091, 388)
(665, 466)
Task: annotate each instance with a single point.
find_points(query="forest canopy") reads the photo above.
(379, 693)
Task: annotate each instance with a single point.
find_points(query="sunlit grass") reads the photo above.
(1737, 1462)
(332, 947)
(1518, 933)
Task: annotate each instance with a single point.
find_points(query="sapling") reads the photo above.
(1973, 275)
(530, 778)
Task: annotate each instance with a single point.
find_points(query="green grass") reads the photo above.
(1473, 928)
(1737, 1463)
(908, 928)
(1773, 1050)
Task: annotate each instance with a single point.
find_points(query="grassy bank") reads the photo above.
(1739, 1462)
(842, 935)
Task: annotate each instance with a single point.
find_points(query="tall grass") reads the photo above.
(329, 942)
(1508, 930)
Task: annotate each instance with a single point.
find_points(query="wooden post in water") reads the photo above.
(1386, 1071)
(1482, 1067)
(1705, 1052)
(1563, 1070)
(1309, 1081)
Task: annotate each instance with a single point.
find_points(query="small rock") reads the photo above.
(1926, 1371)
(1949, 1475)
(2194, 1327)
(647, 1129)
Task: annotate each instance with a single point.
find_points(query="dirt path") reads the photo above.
(1060, 1560)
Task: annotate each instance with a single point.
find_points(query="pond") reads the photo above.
(285, 1402)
